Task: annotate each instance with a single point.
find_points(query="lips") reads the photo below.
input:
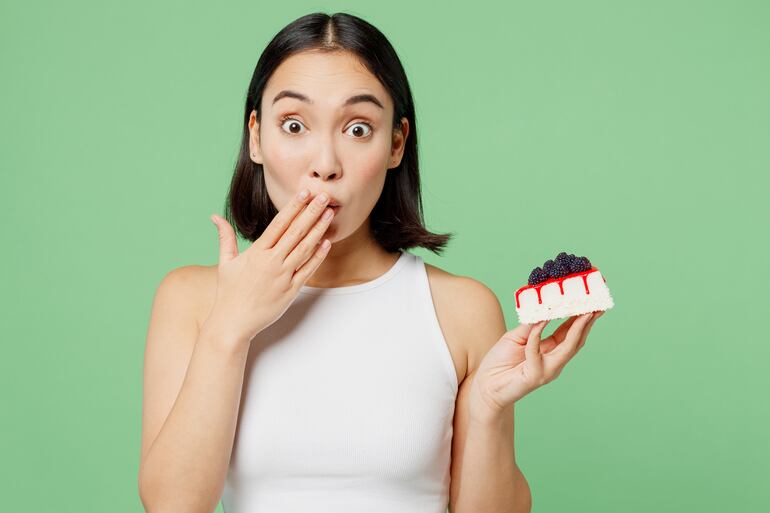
(333, 203)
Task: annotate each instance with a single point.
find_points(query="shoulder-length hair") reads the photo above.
(396, 220)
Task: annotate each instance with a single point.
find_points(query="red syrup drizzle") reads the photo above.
(560, 281)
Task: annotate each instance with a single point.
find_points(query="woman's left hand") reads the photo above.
(520, 362)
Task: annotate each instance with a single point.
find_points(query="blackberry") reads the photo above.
(537, 276)
(564, 259)
(580, 264)
(563, 265)
(576, 266)
(559, 270)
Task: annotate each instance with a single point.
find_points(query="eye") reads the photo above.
(359, 131)
(294, 122)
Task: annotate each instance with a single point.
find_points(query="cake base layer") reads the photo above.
(572, 295)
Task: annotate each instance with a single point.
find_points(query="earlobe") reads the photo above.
(256, 155)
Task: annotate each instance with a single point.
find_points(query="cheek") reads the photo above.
(370, 169)
(283, 166)
(370, 160)
(369, 181)
(280, 156)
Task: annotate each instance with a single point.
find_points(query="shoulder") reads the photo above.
(192, 287)
(471, 313)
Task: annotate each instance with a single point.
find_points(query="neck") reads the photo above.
(353, 260)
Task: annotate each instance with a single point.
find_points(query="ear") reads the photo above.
(400, 134)
(255, 152)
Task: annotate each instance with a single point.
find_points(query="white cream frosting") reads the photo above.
(574, 301)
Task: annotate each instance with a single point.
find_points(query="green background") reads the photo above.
(634, 133)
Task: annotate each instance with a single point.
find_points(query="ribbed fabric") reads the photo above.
(347, 403)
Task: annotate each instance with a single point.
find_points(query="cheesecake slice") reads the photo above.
(563, 287)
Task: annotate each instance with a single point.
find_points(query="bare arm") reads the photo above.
(485, 475)
(192, 388)
(491, 480)
(193, 378)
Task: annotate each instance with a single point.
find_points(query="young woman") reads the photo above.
(325, 367)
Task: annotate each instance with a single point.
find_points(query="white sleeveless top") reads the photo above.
(347, 403)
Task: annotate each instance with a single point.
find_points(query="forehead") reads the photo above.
(326, 78)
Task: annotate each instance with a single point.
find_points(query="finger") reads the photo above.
(532, 350)
(561, 331)
(309, 244)
(557, 337)
(228, 245)
(519, 334)
(301, 225)
(584, 336)
(281, 221)
(309, 267)
(564, 351)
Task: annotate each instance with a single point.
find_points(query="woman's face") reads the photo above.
(327, 143)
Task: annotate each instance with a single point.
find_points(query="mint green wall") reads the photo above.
(635, 133)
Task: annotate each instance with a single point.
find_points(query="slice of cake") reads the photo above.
(563, 287)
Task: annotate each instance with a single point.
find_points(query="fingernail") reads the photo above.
(303, 194)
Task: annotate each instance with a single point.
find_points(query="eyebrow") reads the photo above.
(358, 98)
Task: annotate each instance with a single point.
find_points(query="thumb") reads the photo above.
(228, 246)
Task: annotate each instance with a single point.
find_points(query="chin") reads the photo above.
(335, 234)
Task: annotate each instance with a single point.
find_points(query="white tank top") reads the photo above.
(347, 403)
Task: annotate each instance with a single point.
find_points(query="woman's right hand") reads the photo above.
(256, 287)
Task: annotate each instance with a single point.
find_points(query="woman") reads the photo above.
(325, 366)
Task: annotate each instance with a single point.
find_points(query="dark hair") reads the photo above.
(396, 220)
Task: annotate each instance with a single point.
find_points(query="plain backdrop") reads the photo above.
(633, 133)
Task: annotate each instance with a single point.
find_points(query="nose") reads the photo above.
(326, 175)
(326, 165)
